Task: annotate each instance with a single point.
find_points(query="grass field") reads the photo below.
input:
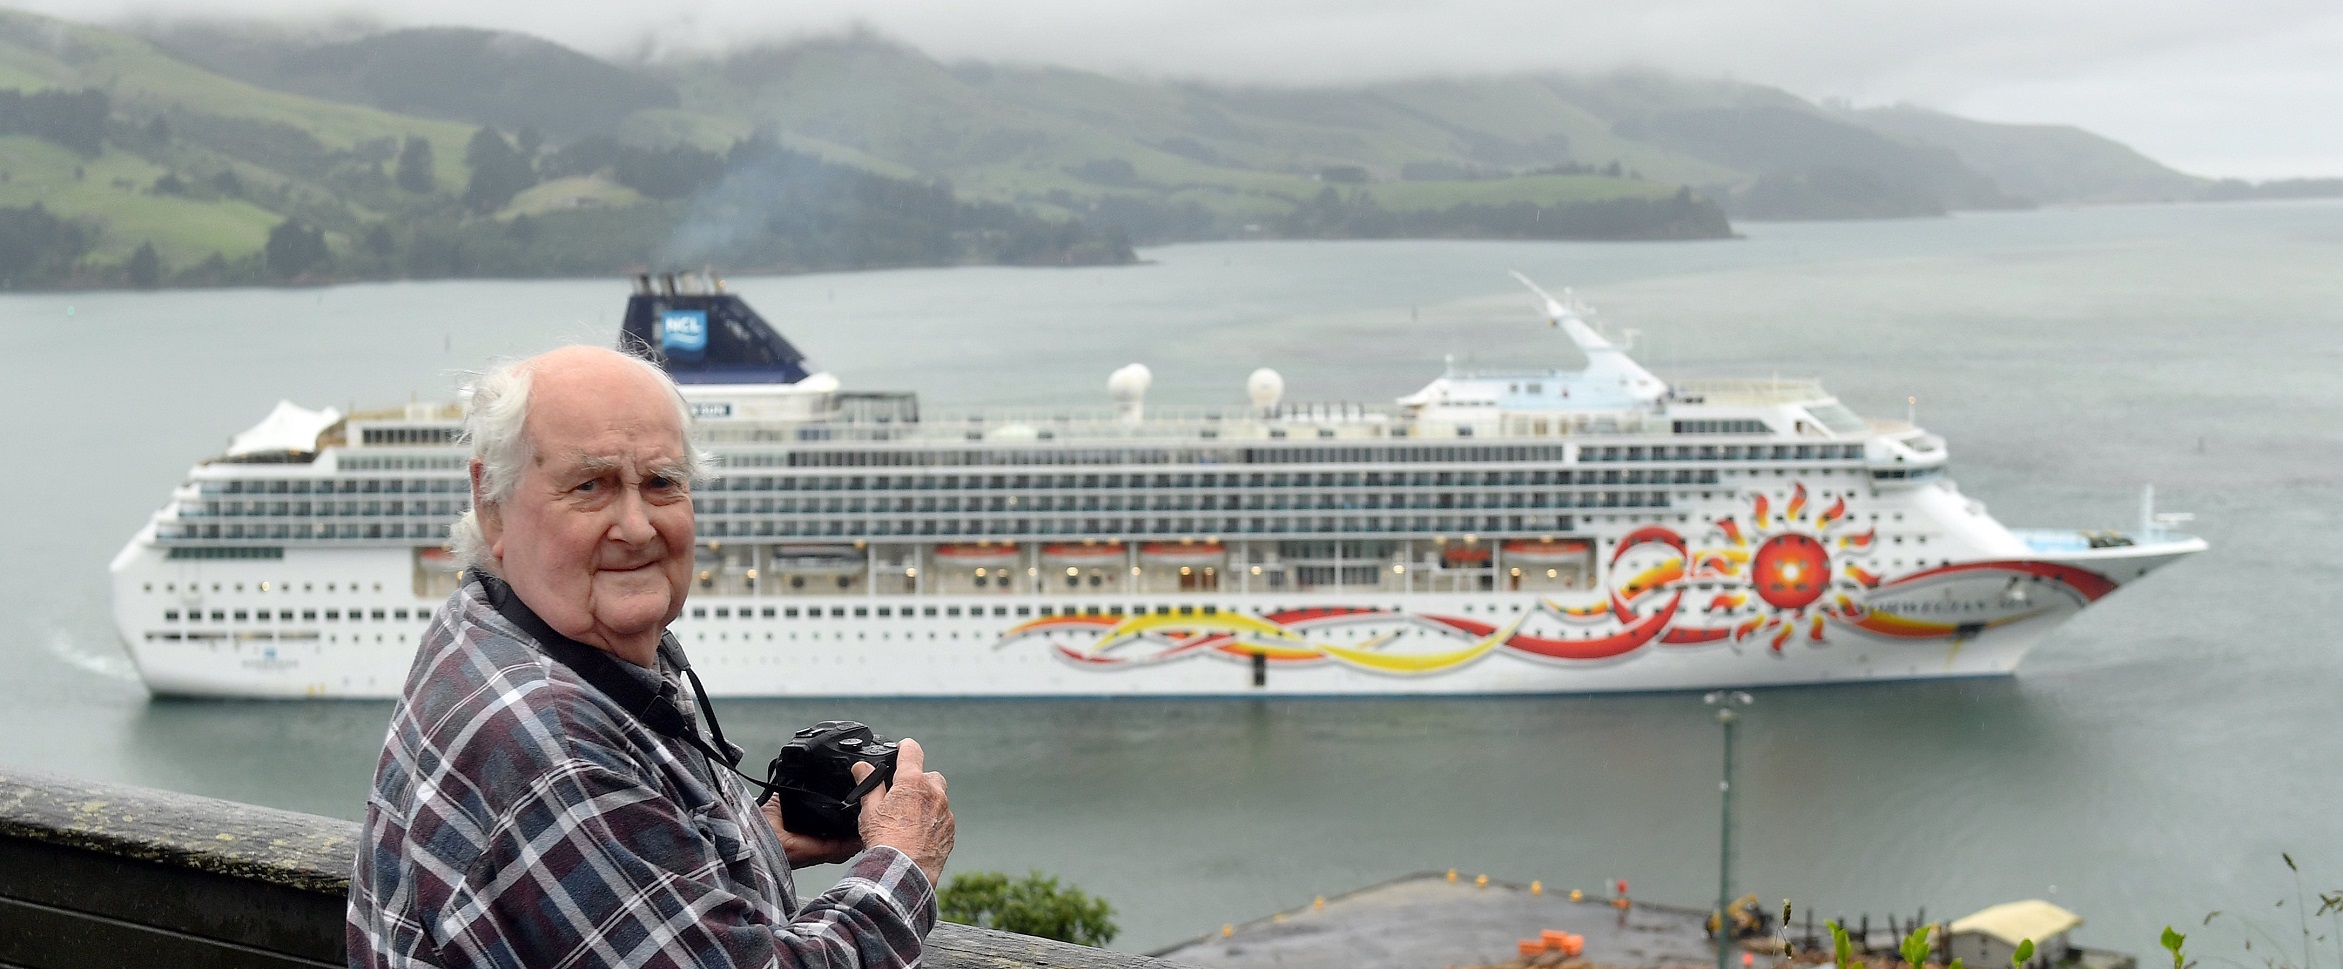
(115, 191)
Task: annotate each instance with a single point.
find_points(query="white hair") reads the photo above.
(496, 426)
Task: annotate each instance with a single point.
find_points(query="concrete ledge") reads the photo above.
(98, 874)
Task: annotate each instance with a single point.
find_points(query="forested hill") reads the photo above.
(193, 154)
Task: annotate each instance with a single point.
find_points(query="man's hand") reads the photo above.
(912, 816)
(806, 850)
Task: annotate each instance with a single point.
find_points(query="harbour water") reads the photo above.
(2147, 765)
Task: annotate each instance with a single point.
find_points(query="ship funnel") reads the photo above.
(1128, 387)
(1265, 387)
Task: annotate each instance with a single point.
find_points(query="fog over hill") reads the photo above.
(234, 152)
(1001, 129)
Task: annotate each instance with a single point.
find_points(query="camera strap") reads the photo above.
(655, 708)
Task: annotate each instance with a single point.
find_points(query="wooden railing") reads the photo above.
(95, 874)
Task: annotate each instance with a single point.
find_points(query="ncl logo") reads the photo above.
(683, 334)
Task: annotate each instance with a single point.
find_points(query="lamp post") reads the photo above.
(1724, 701)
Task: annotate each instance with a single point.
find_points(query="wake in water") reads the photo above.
(112, 664)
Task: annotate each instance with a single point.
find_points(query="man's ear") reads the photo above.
(486, 512)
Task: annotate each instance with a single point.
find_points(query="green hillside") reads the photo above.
(1075, 141)
(165, 172)
(281, 147)
(480, 76)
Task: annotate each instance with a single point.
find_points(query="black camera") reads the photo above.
(814, 777)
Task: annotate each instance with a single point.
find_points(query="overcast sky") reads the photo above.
(2250, 88)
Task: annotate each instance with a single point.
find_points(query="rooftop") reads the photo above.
(2015, 922)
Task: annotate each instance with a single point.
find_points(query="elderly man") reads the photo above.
(544, 797)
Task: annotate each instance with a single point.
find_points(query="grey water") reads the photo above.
(2147, 765)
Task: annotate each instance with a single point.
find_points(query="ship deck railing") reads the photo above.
(1296, 424)
(99, 874)
(1747, 392)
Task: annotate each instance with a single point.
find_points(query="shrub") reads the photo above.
(1033, 905)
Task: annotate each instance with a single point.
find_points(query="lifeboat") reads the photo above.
(1564, 552)
(976, 556)
(1474, 554)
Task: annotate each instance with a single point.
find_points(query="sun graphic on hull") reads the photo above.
(1790, 571)
(1784, 564)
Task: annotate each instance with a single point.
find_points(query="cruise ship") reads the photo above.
(1528, 531)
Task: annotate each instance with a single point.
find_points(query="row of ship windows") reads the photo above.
(305, 531)
(323, 509)
(286, 587)
(950, 504)
(751, 612)
(1210, 525)
(286, 615)
(1255, 525)
(1213, 479)
(948, 612)
(808, 612)
(1321, 479)
(1004, 612)
(377, 508)
(1036, 503)
(1394, 454)
(931, 526)
(405, 462)
(1068, 503)
(332, 486)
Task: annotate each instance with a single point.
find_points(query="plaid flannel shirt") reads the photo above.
(521, 818)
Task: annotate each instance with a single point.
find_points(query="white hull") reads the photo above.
(1951, 622)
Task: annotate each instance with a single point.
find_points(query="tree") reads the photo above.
(294, 249)
(36, 245)
(669, 173)
(74, 119)
(1033, 905)
(498, 172)
(379, 241)
(414, 171)
(145, 268)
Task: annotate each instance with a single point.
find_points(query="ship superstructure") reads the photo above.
(1547, 531)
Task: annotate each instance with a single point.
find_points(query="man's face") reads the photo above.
(597, 536)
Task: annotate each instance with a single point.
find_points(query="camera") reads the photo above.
(813, 775)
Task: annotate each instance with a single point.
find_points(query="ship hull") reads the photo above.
(1960, 619)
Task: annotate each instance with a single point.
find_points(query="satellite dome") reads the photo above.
(1265, 387)
(1130, 383)
(1128, 387)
